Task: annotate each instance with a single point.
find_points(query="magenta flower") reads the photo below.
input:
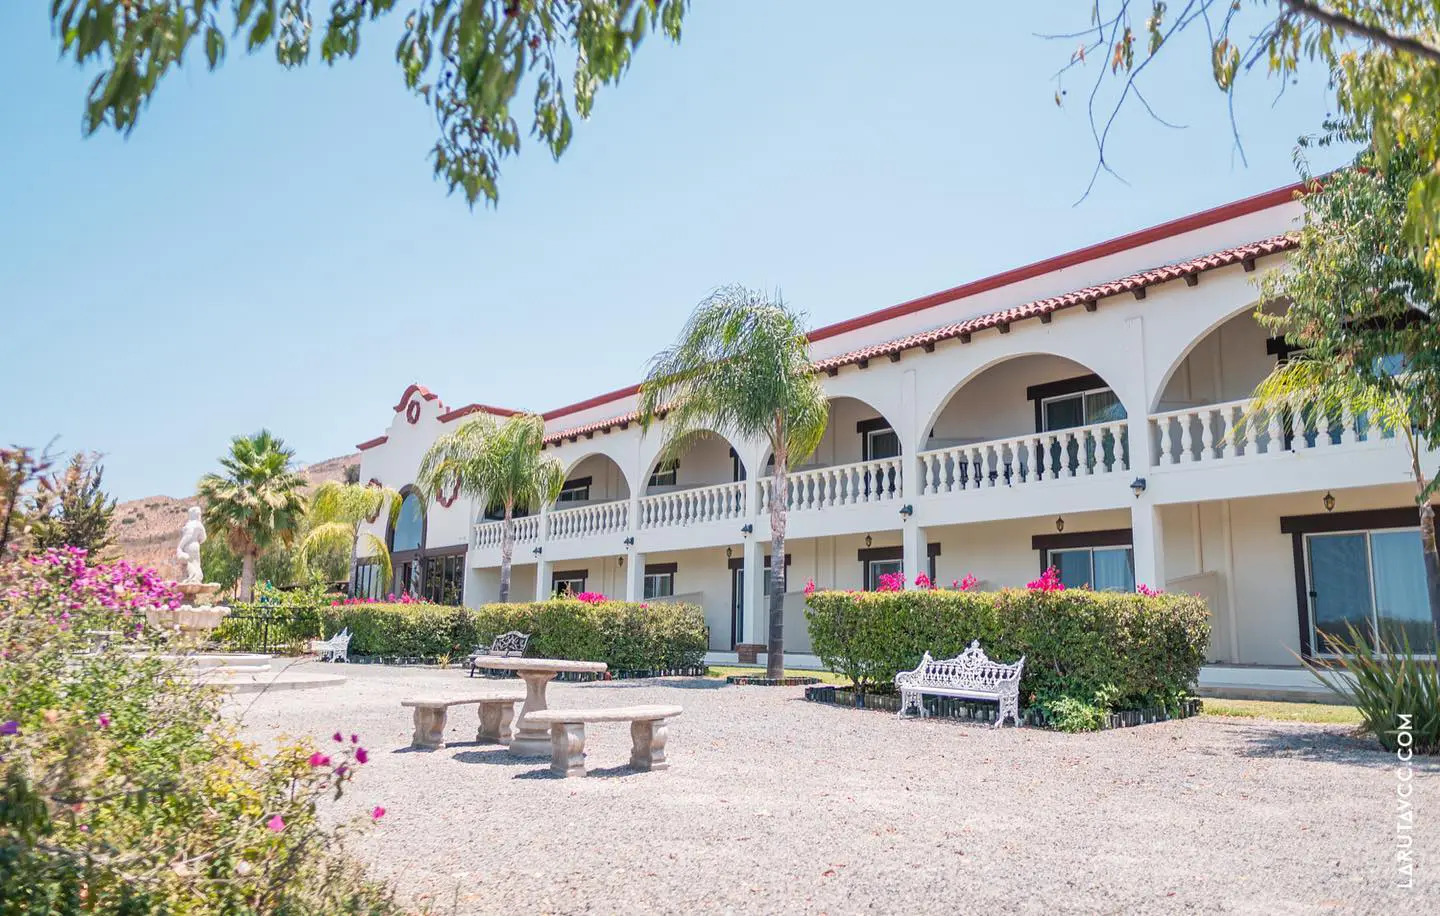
(891, 582)
(339, 738)
(1049, 581)
(378, 813)
(318, 759)
(968, 582)
(354, 738)
(362, 755)
(809, 587)
(276, 823)
(104, 721)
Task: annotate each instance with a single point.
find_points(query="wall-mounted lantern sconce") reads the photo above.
(747, 529)
(619, 561)
(629, 542)
(868, 540)
(1059, 524)
(1137, 486)
(1329, 502)
(538, 550)
(906, 511)
(729, 552)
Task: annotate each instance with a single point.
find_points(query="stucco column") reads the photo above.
(755, 612)
(542, 578)
(635, 577)
(1149, 543)
(913, 542)
(1135, 395)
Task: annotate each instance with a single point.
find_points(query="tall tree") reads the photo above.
(500, 466)
(742, 366)
(1359, 305)
(1382, 58)
(337, 512)
(79, 512)
(467, 59)
(255, 502)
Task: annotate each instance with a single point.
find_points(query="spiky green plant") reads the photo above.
(337, 510)
(741, 367)
(256, 501)
(1394, 691)
(500, 466)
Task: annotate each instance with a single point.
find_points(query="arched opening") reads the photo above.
(434, 574)
(595, 478)
(858, 460)
(1025, 418)
(1224, 365)
(708, 459)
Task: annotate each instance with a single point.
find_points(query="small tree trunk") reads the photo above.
(354, 561)
(779, 500)
(247, 576)
(1427, 536)
(507, 549)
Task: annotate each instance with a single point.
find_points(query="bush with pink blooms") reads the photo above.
(124, 788)
(1086, 652)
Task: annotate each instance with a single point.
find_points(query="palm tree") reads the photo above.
(501, 467)
(257, 500)
(337, 510)
(742, 366)
(1326, 390)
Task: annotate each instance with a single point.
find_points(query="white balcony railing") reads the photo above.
(844, 485)
(692, 507)
(1220, 432)
(585, 521)
(527, 529)
(1084, 451)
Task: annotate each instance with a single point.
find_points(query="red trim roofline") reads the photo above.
(592, 402)
(468, 409)
(1079, 256)
(415, 388)
(371, 443)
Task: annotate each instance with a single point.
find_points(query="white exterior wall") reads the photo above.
(1207, 519)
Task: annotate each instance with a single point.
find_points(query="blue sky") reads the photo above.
(269, 248)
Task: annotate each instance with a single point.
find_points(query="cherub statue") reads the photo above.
(191, 537)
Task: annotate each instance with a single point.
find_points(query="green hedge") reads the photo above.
(627, 637)
(1084, 651)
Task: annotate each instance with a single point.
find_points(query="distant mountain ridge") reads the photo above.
(147, 529)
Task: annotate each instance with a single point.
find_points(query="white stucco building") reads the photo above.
(1077, 412)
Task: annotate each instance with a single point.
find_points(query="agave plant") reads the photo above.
(1394, 691)
(501, 467)
(337, 510)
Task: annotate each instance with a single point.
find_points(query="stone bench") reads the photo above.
(496, 713)
(567, 734)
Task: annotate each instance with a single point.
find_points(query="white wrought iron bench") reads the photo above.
(969, 675)
(335, 649)
(506, 645)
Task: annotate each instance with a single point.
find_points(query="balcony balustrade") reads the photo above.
(1226, 432)
(692, 507)
(585, 521)
(1084, 451)
(526, 528)
(878, 480)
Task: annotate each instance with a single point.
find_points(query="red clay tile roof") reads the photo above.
(371, 443)
(1089, 296)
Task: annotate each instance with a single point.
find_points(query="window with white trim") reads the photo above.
(1104, 569)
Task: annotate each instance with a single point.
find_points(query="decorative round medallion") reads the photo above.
(373, 482)
(412, 412)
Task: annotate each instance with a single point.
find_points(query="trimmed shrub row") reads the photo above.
(634, 637)
(1086, 653)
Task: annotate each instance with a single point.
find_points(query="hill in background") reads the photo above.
(148, 529)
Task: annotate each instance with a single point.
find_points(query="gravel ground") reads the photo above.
(775, 805)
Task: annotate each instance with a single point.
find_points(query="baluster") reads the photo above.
(972, 476)
(1348, 434)
(1054, 455)
(1207, 433)
(1297, 425)
(1236, 440)
(1187, 437)
(1091, 450)
(1162, 428)
(897, 468)
(1272, 430)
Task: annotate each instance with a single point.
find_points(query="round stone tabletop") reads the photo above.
(503, 663)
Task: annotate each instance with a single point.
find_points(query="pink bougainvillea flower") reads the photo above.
(362, 755)
(809, 587)
(276, 823)
(923, 581)
(1147, 591)
(104, 721)
(591, 597)
(1049, 581)
(318, 759)
(378, 813)
(891, 582)
(354, 738)
(339, 738)
(968, 582)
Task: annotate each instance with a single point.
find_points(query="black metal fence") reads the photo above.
(270, 627)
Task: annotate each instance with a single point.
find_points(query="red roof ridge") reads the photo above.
(1089, 296)
(468, 409)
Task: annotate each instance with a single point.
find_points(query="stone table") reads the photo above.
(534, 740)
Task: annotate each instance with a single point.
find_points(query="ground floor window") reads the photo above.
(1104, 569)
(444, 579)
(1373, 581)
(660, 580)
(876, 569)
(367, 582)
(876, 562)
(570, 582)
